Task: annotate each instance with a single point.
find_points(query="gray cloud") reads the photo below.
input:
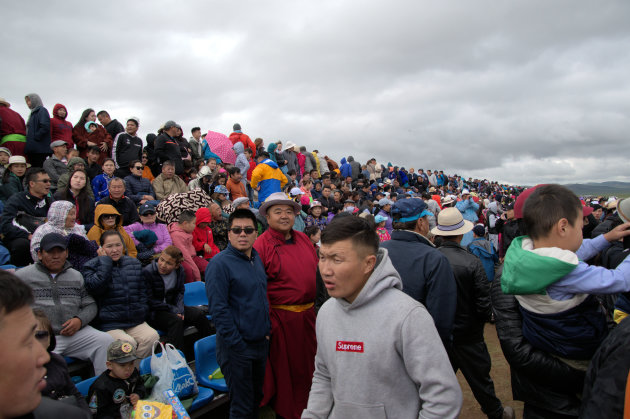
(523, 92)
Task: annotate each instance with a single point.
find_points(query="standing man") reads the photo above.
(469, 351)
(238, 136)
(267, 178)
(12, 129)
(236, 285)
(468, 207)
(127, 147)
(167, 147)
(196, 144)
(112, 126)
(378, 352)
(426, 274)
(291, 264)
(37, 131)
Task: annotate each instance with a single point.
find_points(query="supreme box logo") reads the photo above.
(343, 346)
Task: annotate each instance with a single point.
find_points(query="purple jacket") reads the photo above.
(160, 230)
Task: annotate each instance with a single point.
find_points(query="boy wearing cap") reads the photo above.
(116, 391)
(469, 351)
(55, 165)
(552, 285)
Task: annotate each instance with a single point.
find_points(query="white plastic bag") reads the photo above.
(160, 368)
(173, 373)
(184, 383)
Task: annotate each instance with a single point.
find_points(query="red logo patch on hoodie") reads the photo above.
(344, 346)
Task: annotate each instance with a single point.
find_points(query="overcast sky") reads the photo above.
(518, 91)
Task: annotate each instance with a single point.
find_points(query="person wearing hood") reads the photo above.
(238, 137)
(55, 165)
(492, 216)
(106, 217)
(484, 250)
(202, 235)
(12, 129)
(267, 177)
(370, 328)
(61, 219)
(37, 131)
(271, 149)
(355, 168)
(345, 169)
(181, 233)
(60, 129)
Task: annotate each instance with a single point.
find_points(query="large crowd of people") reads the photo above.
(335, 289)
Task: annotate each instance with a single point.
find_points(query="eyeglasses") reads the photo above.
(42, 335)
(109, 216)
(138, 167)
(239, 230)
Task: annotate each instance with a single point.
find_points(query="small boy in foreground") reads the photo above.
(116, 391)
(546, 272)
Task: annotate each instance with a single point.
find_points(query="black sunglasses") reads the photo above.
(138, 167)
(42, 334)
(239, 230)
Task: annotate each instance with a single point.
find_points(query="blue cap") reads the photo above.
(409, 210)
(221, 189)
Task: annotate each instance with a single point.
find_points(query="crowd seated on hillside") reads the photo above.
(126, 223)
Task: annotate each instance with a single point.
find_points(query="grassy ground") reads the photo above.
(500, 374)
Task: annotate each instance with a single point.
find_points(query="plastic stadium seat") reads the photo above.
(195, 294)
(204, 397)
(84, 386)
(206, 363)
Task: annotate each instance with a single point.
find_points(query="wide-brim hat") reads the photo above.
(623, 210)
(278, 198)
(289, 146)
(18, 159)
(451, 223)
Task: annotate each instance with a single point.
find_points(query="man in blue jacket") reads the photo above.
(425, 272)
(236, 284)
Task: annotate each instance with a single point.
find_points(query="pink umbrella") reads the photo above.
(221, 146)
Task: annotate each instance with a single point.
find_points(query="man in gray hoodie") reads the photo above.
(378, 352)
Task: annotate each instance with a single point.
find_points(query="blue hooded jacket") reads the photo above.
(345, 168)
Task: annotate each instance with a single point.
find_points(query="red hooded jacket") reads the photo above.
(60, 129)
(203, 236)
(243, 138)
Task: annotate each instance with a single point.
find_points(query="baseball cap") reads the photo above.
(146, 208)
(52, 240)
(409, 210)
(121, 352)
(170, 124)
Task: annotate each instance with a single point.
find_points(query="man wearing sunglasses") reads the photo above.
(236, 284)
(23, 213)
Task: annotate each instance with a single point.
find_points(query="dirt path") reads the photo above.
(500, 374)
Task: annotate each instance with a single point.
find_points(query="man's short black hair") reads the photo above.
(186, 215)
(358, 230)
(291, 172)
(101, 113)
(241, 213)
(234, 170)
(546, 206)
(248, 151)
(192, 131)
(326, 176)
(326, 187)
(14, 294)
(94, 149)
(33, 173)
(263, 154)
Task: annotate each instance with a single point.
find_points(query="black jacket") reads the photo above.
(114, 128)
(54, 409)
(473, 294)
(58, 382)
(102, 391)
(605, 382)
(125, 207)
(167, 148)
(119, 290)
(159, 300)
(22, 202)
(538, 378)
(126, 148)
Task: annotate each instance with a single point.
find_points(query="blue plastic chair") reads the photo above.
(204, 397)
(195, 295)
(206, 363)
(84, 386)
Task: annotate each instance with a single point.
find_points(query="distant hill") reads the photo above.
(619, 189)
